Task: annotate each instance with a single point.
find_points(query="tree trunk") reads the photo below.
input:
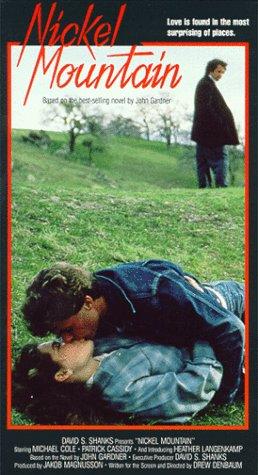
(147, 129)
(72, 137)
(90, 154)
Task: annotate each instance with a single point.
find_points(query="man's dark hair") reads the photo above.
(56, 294)
(211, 65)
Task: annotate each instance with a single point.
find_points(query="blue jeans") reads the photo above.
(216, 159)
(233, 294)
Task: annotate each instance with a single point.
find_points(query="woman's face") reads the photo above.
(73, 356)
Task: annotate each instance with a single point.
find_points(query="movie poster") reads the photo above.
(111, 163)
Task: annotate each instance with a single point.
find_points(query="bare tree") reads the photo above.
(169, 120)
(236, 158)
(76, 120)
(168, 127)
(145, 121)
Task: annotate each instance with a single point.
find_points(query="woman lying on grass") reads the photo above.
(73, 383)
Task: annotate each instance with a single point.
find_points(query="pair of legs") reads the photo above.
(216, 159)
(233, 295)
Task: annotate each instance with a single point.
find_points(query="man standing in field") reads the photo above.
(213, 126)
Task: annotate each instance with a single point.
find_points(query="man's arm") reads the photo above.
(195, 315)
(207, 104)
(227, 338)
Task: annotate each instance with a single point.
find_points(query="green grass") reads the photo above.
(136, 202)
(126, 163)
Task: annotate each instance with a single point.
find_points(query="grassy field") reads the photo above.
(137, 201)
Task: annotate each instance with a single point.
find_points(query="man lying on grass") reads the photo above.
(66, 383)
(152, 299)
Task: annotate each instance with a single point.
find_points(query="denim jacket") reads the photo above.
(153, 299)
(159, 381)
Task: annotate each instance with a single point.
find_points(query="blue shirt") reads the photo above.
(157, 381)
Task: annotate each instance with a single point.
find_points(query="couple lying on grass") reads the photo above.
(165, 345)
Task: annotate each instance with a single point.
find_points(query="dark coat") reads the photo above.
(213, 123)
(153, 299)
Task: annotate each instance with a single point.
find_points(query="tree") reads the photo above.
(145, 121)
(123, 127)
(69, 116)
(169, 120)
(76, 120)
(236, 158)
(95, 129)
(169, 127)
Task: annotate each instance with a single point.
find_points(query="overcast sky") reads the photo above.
(192, 61)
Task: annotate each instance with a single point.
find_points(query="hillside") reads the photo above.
(136, 202)
(124, 163)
